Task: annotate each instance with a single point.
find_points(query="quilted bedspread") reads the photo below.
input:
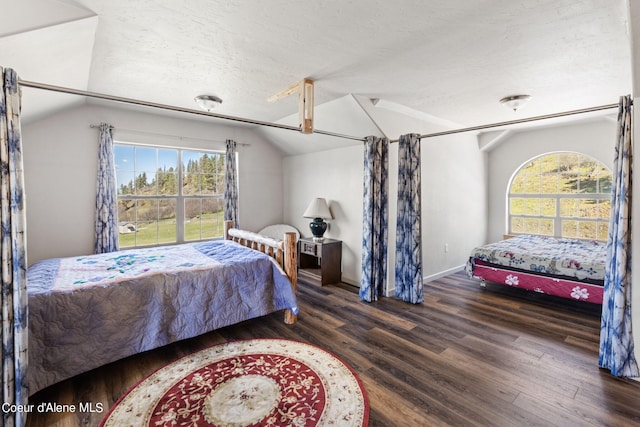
(574, 258)
(88, 311)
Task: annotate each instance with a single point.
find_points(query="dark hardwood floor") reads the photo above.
(467, 356)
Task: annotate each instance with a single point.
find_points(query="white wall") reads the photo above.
(337, 176)
(454, 201)
(595, 138)
(60, 163)
(453, 204)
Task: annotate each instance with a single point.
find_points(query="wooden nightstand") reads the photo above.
(319, 263)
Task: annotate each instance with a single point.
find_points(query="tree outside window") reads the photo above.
(168, 195)
(561, 194)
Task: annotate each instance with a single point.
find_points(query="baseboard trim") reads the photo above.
(350, 282)
(441, 274)
(390, 292)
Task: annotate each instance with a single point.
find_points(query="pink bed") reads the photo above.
(568, 268)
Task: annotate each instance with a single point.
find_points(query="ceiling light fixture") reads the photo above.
(207, 102)
(514, 102)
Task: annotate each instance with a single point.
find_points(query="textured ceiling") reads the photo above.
(451, 60)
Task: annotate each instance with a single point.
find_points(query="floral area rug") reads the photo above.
(263, 382)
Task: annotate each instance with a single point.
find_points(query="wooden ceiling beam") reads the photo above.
(304, 88)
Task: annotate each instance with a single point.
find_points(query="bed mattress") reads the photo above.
(87, 311)
(560, 257)
(569, 268)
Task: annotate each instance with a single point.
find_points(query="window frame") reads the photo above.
(180, 198)
(558, 218)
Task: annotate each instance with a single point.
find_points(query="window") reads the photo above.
(168, 195)
(561, 194)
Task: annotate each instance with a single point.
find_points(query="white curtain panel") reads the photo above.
(14, 260)
(409, 285)
(616, 339)
(231, 184)
(375, 218)
(106, 234)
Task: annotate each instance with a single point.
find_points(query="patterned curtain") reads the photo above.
(106, 239)
(14, 262)
(408, 234)
(231, 184)
(375, 218)
(616, 340)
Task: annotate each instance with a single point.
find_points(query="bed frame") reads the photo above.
(561, 287)
(64, 347)
(563, 267)
(284, 252)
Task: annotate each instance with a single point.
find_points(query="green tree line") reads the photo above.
(202, 176)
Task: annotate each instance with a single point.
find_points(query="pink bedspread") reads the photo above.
(570, 258)
(568, 268)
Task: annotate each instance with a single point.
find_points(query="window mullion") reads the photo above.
(557, 227)
(180, 202)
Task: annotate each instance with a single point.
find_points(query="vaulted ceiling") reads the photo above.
(447, 62)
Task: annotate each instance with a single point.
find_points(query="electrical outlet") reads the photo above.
(446, 248)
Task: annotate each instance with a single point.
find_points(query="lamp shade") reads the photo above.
(318, 209)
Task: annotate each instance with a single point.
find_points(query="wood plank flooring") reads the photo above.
(467, 356)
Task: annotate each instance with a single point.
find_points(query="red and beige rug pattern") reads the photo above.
(262, 382)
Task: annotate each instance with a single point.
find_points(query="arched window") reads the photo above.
(561, 194)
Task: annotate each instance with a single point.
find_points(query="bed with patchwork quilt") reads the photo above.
(87, 311)
(569, 268)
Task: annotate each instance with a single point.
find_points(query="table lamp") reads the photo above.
(318, 210)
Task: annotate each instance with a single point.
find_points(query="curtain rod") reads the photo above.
(88, 94)
(281, 126)
(517, 121)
